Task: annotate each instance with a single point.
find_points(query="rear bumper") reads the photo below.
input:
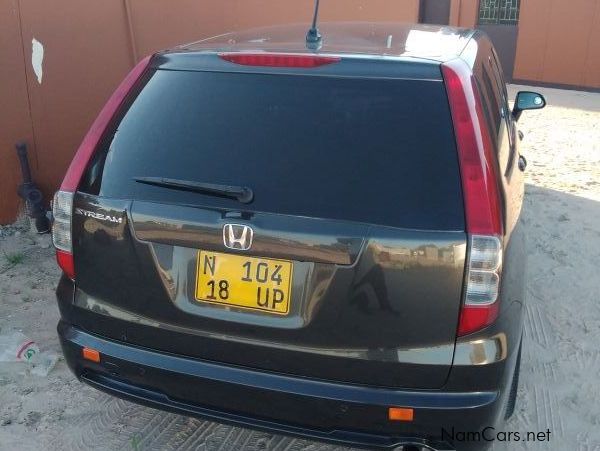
(341, 413)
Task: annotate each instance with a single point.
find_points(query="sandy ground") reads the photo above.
(560, 379)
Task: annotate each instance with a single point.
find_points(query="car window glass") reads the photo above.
(491, 91)
(505, 110)
(369, 150)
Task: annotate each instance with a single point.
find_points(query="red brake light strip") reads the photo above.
(278, 60)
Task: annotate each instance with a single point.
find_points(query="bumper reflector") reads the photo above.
(91, 354)
(400, 414)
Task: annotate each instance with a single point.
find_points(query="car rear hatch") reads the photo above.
(356, 262)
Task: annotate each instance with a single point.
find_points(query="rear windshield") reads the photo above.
(378, 151)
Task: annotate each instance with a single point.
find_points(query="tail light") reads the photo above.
(62, 211)
(278, 60)
(481, 197)
(62, 207)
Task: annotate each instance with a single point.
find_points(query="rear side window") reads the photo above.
(497, 71)
(378, 151)
(491, 92)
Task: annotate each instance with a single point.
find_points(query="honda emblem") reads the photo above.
(237, 236)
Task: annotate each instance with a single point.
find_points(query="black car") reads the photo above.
(317, 240)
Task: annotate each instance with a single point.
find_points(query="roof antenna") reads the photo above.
(314, 41)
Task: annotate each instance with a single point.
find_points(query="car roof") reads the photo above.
(386, 39)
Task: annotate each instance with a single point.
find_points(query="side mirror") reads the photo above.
(527, 100)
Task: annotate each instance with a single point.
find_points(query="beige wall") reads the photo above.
(559, 42)
(464, 13)
(15, 121)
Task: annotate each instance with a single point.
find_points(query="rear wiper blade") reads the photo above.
(242, 194)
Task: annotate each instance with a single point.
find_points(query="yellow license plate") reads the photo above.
(246, 282)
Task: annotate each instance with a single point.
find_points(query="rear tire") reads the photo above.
(512, 396)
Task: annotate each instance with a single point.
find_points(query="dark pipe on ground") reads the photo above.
(29, 192)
